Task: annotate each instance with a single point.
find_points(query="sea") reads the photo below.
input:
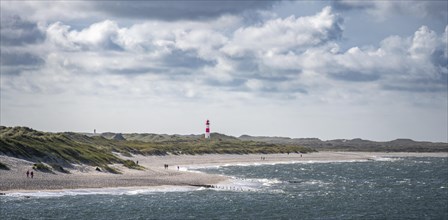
(383, 188)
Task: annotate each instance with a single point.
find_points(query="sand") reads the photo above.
(155, 174)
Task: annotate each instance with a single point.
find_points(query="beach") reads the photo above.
(178, 172)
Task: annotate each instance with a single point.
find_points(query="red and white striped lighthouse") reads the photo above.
(207, 129)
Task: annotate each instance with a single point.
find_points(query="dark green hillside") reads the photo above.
(68, 148)
(60, 148)
(398, 145)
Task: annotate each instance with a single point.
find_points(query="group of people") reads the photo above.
(166, 166)
(28, 174)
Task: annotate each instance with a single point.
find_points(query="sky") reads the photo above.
(327, 69)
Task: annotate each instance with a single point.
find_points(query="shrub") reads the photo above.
(42, 167)
(132, 165)
(3, 166)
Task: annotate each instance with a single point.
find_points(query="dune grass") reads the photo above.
(64, 149)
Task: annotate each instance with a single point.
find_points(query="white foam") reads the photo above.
(194, 168)
(246, 185)
(103, 191)
(385, 158)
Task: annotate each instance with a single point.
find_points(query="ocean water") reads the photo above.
(390, 188)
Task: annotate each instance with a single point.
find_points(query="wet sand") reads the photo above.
(155, 174)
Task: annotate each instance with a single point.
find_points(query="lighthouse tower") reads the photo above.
(207, 129)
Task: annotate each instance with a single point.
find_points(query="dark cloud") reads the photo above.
(272, 88)
(246, 64)
(354, 76)
(361, 5)
(137, 71)
(234, 84)
(185, 59)
(16, 63)
(434, 9)
(20, 59)
(273, 78)
(439, 59)
(15, 31)
(437, 83)
(178, 10)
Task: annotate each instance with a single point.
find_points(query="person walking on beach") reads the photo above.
(32, 174)
(27, 174)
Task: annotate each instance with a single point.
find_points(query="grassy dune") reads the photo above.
(69, 148)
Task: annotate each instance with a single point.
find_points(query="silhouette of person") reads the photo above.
(32, 174)
(27, 173)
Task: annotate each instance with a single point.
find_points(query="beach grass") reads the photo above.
(132, 165)
(64, 149)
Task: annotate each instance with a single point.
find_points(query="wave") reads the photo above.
(374, 158)
(102, 191)
(195, 168)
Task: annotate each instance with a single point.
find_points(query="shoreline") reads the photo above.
(178, 175)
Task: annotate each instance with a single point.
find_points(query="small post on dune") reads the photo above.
(207, 129)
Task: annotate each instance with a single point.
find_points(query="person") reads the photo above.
(32, 174)
(27, 173)
(177, 168)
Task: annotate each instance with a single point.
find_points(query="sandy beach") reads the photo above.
(155, 174)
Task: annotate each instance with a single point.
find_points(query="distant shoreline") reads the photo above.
(155, 175)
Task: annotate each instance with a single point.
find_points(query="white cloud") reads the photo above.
(102, 35)
(289, 34)
(281, 55)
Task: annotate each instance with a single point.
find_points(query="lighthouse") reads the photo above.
(207, 129)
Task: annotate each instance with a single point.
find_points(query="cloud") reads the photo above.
(178, 10)
(230, 61)
(134, 10)
(16, 31)
(20, 59)
(384, 9)
(102, 35)
(416, 63)
(289, 34)
(277, 58)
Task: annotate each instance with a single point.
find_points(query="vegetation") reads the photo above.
(61, 150)
(132, 165)
(111, 170)
(42, 167)
(398, 145)
(59, 168)
(3, 166)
